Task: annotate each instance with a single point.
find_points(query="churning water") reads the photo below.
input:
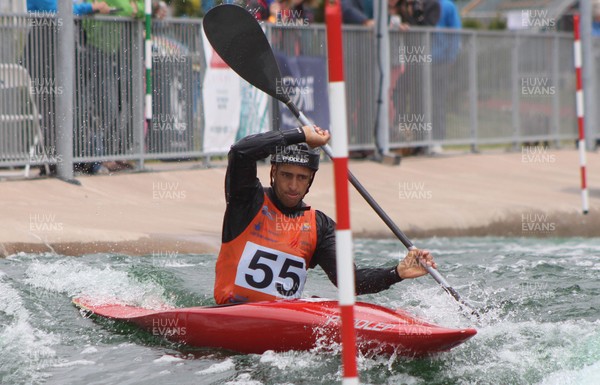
(539, 299)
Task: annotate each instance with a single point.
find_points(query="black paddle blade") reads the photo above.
(240, 41)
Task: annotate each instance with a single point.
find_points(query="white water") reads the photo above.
(539, 326)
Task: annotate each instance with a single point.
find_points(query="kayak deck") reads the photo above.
(287, 325)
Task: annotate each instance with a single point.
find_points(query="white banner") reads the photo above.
(222, 102)
(233, 108)
(254, 116)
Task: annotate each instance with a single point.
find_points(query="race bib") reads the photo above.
(271, 271)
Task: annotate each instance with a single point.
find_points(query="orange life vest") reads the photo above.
(269, 259)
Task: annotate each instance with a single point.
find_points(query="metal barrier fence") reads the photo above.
(447, 87)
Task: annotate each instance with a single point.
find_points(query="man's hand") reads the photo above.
(135, 8)
(410, 267)
(315, 136)
(369, 23)
(100, 7)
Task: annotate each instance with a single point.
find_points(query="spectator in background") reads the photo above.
(444, 52)
(358, 12)
(407, 83)
(104, 53)
(78, 8)
(259, 8)
(422, 13)
(160, 9)
(291, 12)
(596, 18)
(38, 56)
(207, 5)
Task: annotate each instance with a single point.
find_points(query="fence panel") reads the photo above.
(104, 98)
(176, 129)
(490, 87)
(27, 125)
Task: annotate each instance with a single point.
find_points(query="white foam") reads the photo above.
(220, 367)
(287, 360)
(74, 363)
(89, 350)
(24, 348)
(588, 375)
(168, 359)
(102, 285)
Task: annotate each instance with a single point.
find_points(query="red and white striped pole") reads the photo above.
(580, 114)
(339, 146)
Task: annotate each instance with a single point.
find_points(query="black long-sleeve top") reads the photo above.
(245, 196)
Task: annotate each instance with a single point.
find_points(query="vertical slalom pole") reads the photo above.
(148, 63)
(343, 235)
(580, 114)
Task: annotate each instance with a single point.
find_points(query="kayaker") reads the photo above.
(271, 237)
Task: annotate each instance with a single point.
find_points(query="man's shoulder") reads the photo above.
(324, 220)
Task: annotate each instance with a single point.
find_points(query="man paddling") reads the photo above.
(271, 237)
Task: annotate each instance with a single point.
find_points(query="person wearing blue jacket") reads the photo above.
(445, 49)
(78, 8)
(596, 18)
(358, 12)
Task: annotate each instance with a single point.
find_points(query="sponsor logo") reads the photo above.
(266, 212)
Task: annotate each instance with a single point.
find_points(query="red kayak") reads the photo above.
(287, 325)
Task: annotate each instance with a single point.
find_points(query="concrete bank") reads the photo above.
(502, 194)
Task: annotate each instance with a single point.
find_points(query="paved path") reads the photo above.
(513, 194)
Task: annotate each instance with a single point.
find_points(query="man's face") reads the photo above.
(290, 183)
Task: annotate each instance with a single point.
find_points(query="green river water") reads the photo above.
(540, 300)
